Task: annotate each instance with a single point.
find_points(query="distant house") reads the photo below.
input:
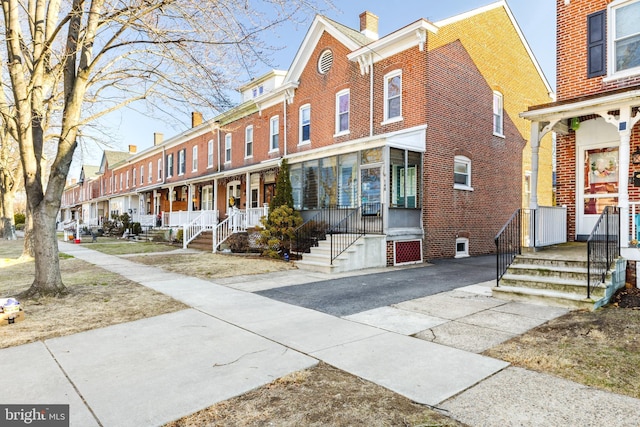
(596, 116)
(414, 136)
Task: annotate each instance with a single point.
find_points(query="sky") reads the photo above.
(537, 20)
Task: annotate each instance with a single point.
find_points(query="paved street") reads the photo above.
(355, 294)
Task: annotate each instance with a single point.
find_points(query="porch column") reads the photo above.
(535, 148)
(625, 125)
(247, 190)
(215, 197)
(190, 198)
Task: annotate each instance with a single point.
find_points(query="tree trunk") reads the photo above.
(47, 280)
(29, 244)
(7, 219)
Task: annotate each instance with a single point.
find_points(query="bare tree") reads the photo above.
(10, 171)
(70, 62)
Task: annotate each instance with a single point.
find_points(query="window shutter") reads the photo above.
(596, 44)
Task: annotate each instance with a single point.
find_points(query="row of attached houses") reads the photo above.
(419, 129)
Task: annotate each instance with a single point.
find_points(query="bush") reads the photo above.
(239, 242)
(136, 228)
(19, 218)
(179, 235)
(278, 231)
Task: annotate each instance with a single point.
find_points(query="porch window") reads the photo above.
(348, 180)
(393, 96)
(295, 176)
(498, 114)
(274, 133)
(462, 173)
(227, 148)
(248, 142)
(625, 37)
(310, 192)
(305, 124)
(328, 182)
(342, 112)
(405, 168)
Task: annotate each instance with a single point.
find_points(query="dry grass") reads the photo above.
(96, 298)
(321, 396)
(120, 247)
(599, 349)
(209, 265)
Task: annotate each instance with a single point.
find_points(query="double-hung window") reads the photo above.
(134, 176)
(182, 162)
(498, 114)
(624, 44)
(248, 142)
(127, 179)
(305, 124)
(393, 96)
(274, 134)
(141, 175)
(169, 165)
(194, 158)
(210, 153)
(160, 169)
(342, 112)
(150, 172)
(227, 148)
(462, 173)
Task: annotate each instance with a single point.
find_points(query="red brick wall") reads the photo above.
(572, 78)
(460, 119)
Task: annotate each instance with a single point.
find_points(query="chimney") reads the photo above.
(369, 25)
(133, 149)
(157, 138)
(196, 119)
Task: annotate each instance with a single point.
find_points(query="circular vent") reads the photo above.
(325, 62)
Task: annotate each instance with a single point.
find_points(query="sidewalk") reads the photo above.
(159, 369)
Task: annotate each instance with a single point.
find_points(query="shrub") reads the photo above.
(136, 228)
(239, 242)
(278, 231)
(19, 218)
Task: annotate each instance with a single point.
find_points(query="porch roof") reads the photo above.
(584, 105)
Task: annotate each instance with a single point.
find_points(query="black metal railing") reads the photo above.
(367, 219)
(603, 247)
(508, 243)
(339, 223)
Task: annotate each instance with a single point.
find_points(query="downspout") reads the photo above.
(284, 124)
(370, 95)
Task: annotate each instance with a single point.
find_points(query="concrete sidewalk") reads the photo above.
(155, 370)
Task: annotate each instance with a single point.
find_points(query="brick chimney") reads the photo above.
(157, 138)
(369, 25)
(196, 119)
(133, 149)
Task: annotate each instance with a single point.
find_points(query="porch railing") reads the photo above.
(367, 219)
(603, 247)
(205, 221)
(235, 223)
(508, 243)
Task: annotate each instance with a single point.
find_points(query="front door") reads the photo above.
(598, 177)
(234, 193)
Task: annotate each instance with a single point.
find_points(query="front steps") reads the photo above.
(555, 279)
(368, 251)
(203, 242)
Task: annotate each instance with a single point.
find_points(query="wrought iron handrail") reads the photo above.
(603, 247)
(508, 243)
(364, 219)
(315, 229)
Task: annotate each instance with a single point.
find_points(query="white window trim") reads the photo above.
(170, 165)
(127, 180)
(141, 174)
(248, 155)
(227, 148)
(467, 161)
(150, 180)
(273, 149)
(465, 253)
(337, 127)
(182, 164)
(388, 77)
(210, 153)
(160, 169)
(133, 172)
(611, 53)
(493, 99)
(194, 158)
(300, 141)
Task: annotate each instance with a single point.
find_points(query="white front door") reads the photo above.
(597, 173)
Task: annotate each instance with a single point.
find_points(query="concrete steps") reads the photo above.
(204, 242)
(555, 280)
(366, 252)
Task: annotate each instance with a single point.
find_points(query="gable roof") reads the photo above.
(88, 172)
(112, 158)
(349, 37)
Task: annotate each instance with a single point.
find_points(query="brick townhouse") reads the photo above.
(418, 131)
(596, 116)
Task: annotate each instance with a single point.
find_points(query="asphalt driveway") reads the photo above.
(354, 294)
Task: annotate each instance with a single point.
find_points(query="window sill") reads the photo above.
(392, 120)
(274, 150)
(634, 72)
(499, 135)
(344, 132)
(461, 255)
(462, 187)
(307, 142)
(248, 157)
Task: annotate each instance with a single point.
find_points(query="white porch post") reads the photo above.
(247, 190)
(535, 148)
(189, 199)
(625, 124)
(215, 195)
